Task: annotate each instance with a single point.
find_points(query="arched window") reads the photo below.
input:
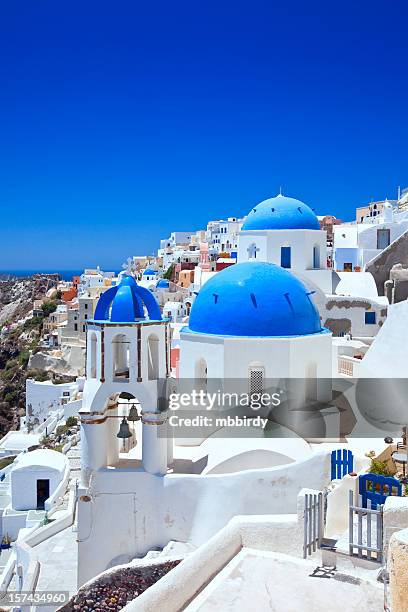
(316, 257)
(153, 357)
(121, 357)
(93, 347)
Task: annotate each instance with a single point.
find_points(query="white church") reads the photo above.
(253, 321)
(142, 485)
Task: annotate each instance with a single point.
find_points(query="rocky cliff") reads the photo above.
(20, 333)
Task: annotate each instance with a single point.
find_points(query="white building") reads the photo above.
(35, 477)
(163, 490)
(286, 232)
(355, 244)
(255, 321)
(175, 311)
(149, 278)
(43, 399)
(222, 236)
(95, 278)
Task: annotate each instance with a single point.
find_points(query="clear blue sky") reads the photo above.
(122, 121)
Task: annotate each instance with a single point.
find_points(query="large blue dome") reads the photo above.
(281, 213)
(124, 303)
(254, 299)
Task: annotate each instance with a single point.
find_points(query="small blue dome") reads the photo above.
(254, 299)
(124, 303)
(149, 272)
(163, 283)
(281, 213)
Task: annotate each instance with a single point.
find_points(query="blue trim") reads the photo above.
(187, 330)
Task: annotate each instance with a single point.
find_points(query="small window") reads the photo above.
(370, 318)
(86, 306)
(76, 327)
(285, 257)
(348, 267)
(83, 328)
(86, 316)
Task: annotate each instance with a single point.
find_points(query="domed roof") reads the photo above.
(254, 299)
(281, 213)
(163, 283)
(124, 303)
(149, 272)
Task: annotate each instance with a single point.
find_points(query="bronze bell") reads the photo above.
(133, 414)
(124, 431)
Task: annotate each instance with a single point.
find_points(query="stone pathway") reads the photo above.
(58, 557)
(74, 458)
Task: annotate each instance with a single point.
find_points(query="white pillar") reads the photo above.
(112, 427)
(94, 445)
(154, 442)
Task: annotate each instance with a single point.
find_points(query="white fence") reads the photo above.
(369, 530)
(312, 523)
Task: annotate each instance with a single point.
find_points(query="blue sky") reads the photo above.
(122, 121)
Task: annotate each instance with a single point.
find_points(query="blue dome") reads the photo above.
(124, 303)
(163, 283)
(149, 272)
(254, 299)
(281, 213)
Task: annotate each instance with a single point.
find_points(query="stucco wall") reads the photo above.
(144, 511)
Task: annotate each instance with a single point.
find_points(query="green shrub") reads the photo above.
(33, 323)
(379, 467)
(71, 421)
(61, 429)
(169, 272)
(24, 358)
(11, 398)
(48, 308)
(6, 461)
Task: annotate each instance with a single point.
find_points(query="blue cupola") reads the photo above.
(125, 303)
(163, 283)
(255, 299)
(281, 213)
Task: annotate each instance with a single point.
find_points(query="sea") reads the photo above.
(65, 274)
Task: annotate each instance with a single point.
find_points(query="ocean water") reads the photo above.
(65, 274)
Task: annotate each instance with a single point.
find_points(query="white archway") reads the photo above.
(153, 357)
(121, 357)
(93, 354)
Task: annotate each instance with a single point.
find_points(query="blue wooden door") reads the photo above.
(342, 462)
(286, 257)
(377, 488)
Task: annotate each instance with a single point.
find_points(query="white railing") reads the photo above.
(347, 365)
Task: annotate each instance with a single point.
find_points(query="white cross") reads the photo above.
(252, 251)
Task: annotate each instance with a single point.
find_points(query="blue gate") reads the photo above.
(377, 488)
(342, 463)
